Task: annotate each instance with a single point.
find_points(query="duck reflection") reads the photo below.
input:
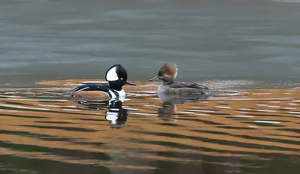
(167, 111)
(115, 114)
(181, 98)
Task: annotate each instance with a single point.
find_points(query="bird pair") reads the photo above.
(117, 78)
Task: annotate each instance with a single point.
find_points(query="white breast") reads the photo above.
(163, 88)
(121, 93)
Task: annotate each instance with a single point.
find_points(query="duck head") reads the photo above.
(117, 77)
(167, 73)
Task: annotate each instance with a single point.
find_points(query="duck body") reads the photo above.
(182, 88)
(116, 77)
(167, 74)
(98, 90)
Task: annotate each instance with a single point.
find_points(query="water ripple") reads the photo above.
(145, 133)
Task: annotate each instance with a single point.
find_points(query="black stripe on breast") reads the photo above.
(115, 92)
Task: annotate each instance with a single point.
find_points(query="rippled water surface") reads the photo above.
(246, 51)
(208, 39)
(244, 131)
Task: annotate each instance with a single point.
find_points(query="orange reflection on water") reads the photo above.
(241, 130)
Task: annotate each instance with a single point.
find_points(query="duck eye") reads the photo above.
(121, 78)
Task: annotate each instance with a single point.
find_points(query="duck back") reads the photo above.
(183, 88)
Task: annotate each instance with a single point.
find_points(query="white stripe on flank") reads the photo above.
(83, 89)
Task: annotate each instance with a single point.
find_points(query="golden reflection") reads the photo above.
(240, 130)
(167, 111)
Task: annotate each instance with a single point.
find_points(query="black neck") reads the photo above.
(115, 85)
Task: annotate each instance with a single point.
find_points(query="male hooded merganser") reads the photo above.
(167, 74)
(116, 77)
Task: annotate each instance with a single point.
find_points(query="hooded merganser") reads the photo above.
(167, 74)
(116, 77)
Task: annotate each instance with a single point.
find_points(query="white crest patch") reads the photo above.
(176, 73)
(112, 75)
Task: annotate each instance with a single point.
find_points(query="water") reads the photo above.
(246, 52)
(236, 131)
(52, 40)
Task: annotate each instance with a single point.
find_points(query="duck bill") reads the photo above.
(128, 83)
(154, 78)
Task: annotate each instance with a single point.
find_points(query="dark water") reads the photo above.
(215, 40)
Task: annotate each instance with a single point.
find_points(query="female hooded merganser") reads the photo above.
(167, 74)
(116, 77)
